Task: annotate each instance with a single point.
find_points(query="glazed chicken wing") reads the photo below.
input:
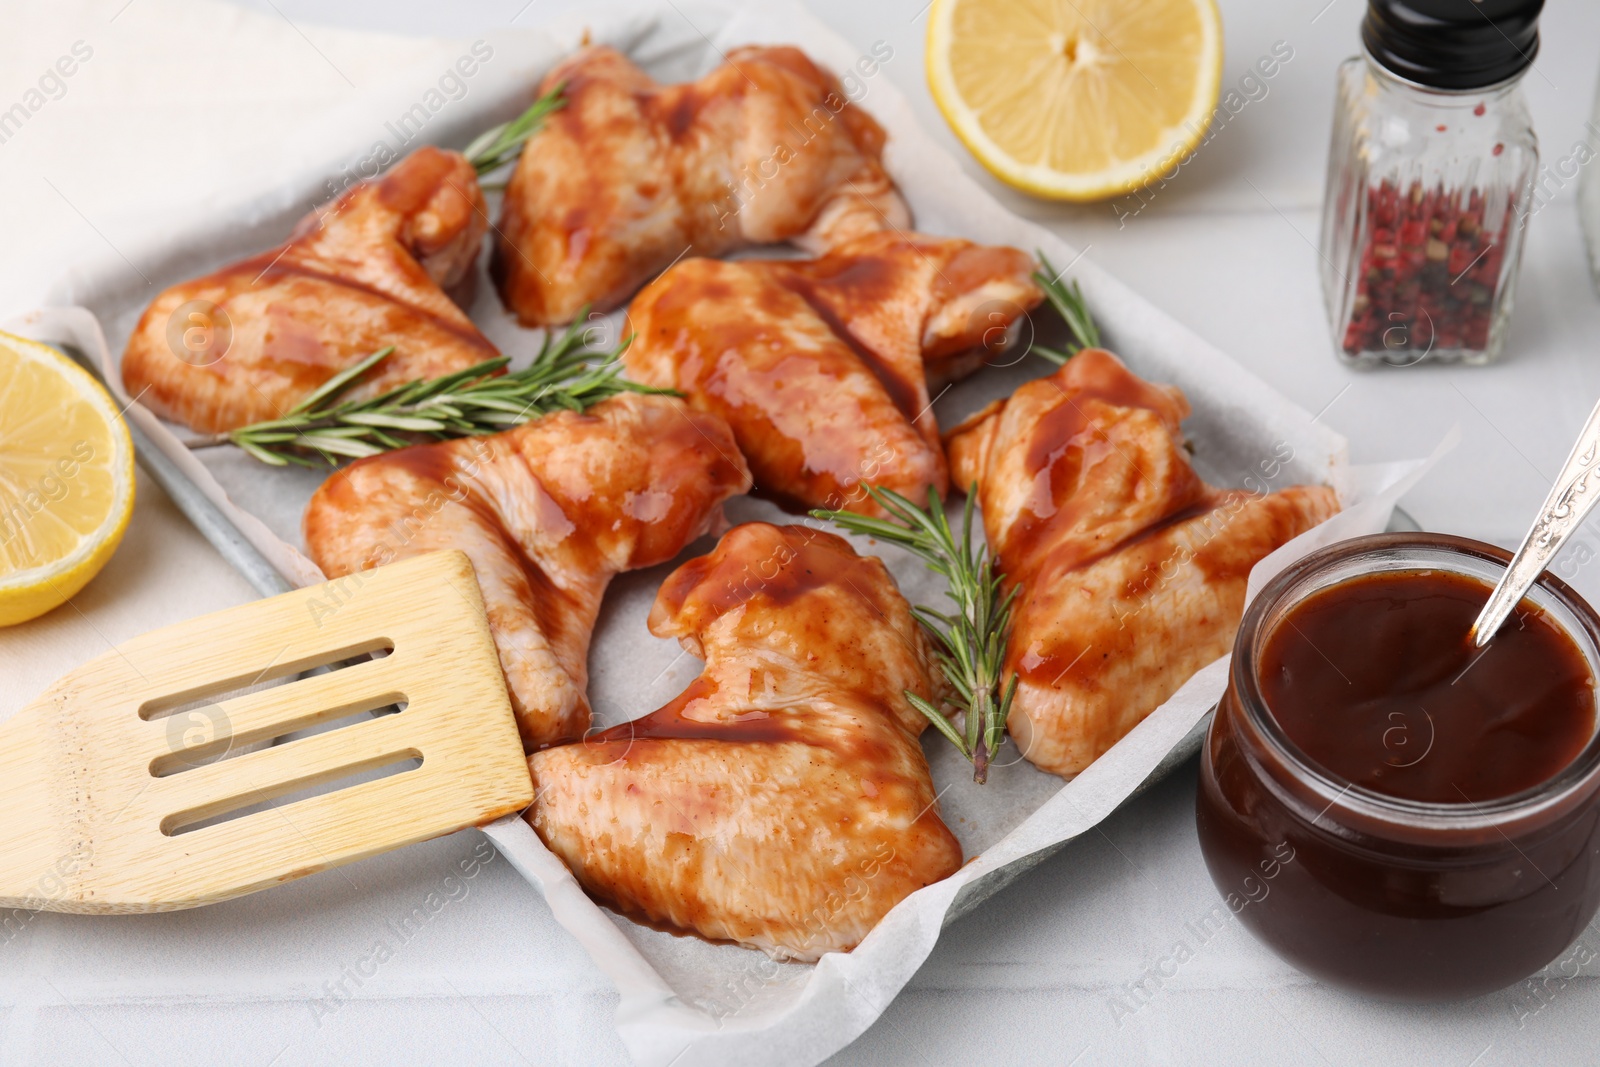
(548, 513)
(782, 800)
(630, 175)
(821, 366)
(1133, 569)
(369, 270)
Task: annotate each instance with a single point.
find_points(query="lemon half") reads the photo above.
(66, 478)
(1076, 99)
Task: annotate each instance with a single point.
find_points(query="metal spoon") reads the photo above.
(1569, 503)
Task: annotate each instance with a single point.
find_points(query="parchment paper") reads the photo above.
(683, 1000)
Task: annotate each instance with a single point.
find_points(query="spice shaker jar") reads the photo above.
(1430, 178)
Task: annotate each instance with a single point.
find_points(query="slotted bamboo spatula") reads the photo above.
(109, 779)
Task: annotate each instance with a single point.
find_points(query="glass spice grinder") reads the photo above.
(1430, 177)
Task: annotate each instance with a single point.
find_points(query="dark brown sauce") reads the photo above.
(865, 274)
(733, 372)
(775, 565)
(1374, 680)
(405, 190)
(1062, 444)
(678, 108)
(671, 722)
(1062, 425)
(778, 564)
(774, 569)
(793, 503)
(1049, 662)
(620, 904)
(276, 266)
(1218, 557)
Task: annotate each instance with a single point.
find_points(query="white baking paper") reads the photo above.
(684, 1000)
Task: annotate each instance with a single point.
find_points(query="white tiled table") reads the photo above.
(162, 116)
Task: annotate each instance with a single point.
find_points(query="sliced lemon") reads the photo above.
(1076, 99)
(66, 478)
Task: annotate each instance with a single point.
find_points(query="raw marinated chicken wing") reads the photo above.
(782, 800)
(1133, 569)
(630, 175)
(821, 366)
(548, 513)
(248, 342)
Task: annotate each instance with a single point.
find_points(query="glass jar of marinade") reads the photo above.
(1389, 808)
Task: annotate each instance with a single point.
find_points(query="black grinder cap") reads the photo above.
(1453, 44)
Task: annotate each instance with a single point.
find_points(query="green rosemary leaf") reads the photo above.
(340, 382)
(273, 437)
(394, 422)
(340, 446)
(477, 400)
(387, 441)
(262, 454)
(496, 147)
(489, 403)
(334, 431)
(969, 643)
(930, 618)
(1054, 355)
(997, 725)
(1069, 304)
(939, 722)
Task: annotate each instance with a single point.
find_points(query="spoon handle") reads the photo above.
(1571, 499)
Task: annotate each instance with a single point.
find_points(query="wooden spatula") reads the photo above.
(115, 784)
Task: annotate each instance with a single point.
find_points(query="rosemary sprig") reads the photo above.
(494, 148)
(1068, 302)
(970, 642)
(470, 402)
